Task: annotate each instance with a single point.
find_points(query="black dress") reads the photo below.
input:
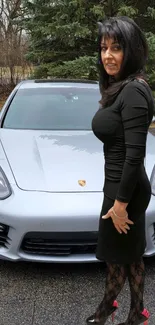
(123, 127)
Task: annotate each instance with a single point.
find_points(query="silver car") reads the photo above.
(52, 173)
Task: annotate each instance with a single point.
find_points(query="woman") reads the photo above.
(122, 124)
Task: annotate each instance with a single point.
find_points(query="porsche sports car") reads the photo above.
(52, 173)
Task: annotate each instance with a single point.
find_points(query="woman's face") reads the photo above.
(111, 56)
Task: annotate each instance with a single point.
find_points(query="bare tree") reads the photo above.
(13, 41)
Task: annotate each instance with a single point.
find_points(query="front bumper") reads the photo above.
(55, 213)
(36, 212)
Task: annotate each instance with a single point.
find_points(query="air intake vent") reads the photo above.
(59, 244)
(3, 235)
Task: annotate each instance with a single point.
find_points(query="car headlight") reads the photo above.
(152, 180)
(5, 189)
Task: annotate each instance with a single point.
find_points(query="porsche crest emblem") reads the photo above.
(82, 182)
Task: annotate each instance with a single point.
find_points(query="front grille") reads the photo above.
(4, 229)
(59, 244)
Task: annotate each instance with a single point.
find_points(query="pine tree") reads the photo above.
(63, 33)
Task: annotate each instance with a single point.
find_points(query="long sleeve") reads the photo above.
(134, 113)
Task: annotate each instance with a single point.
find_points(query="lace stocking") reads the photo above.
(116, 276)
(136, 275)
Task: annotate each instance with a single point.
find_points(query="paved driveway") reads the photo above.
(50, 294)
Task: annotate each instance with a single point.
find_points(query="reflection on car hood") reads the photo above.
(54, 161)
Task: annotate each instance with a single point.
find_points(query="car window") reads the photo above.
(61, 108)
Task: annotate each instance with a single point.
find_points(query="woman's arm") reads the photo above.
(134, 113)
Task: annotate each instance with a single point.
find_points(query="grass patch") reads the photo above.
(2, 102)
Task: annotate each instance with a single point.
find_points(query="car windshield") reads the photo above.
(61, 108)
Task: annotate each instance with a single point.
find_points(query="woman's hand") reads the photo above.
(120, 221)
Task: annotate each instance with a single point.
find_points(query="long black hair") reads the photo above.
(133, 43)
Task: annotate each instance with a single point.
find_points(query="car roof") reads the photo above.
(50, 83)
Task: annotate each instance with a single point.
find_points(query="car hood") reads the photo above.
(54, 161)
